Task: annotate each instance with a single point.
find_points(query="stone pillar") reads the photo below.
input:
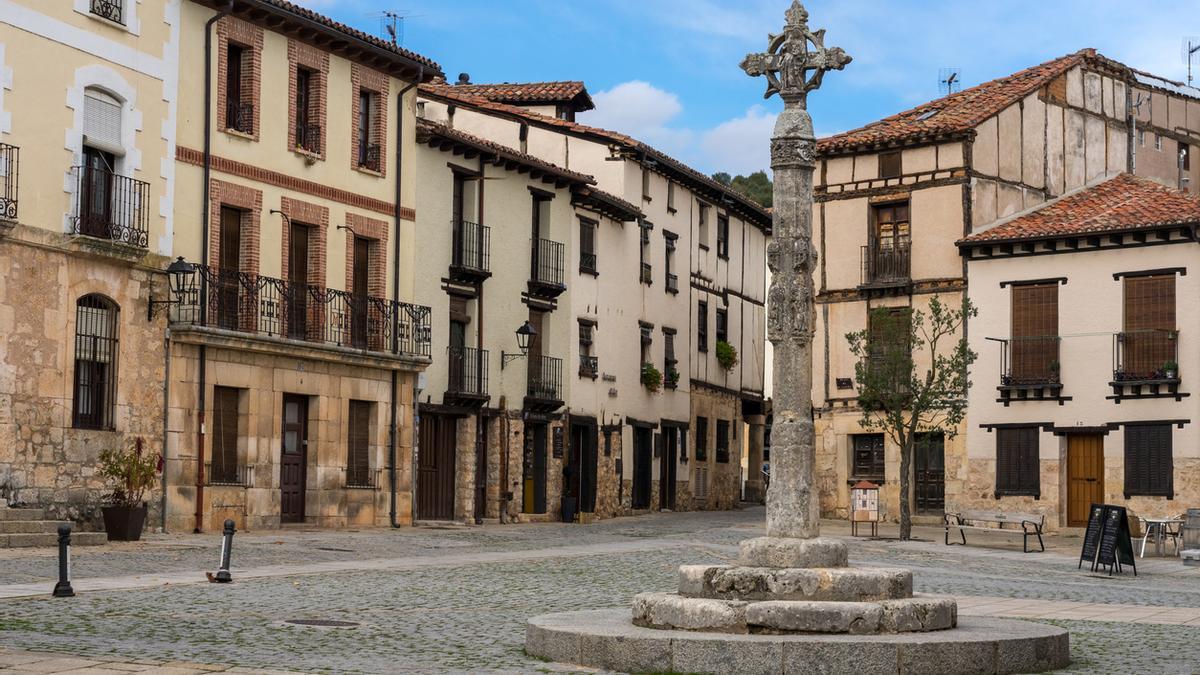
(754, 476)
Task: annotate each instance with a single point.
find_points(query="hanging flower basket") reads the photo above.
(727, 355)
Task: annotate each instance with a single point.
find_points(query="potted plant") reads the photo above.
(1170, 370)
(672, 378)
(129, 473)
(1054, 371)
(727, 356)
(651, 377)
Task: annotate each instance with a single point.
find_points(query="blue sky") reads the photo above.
(665, 71)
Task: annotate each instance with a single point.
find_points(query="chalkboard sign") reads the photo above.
(1107, 542)
(1091, 538)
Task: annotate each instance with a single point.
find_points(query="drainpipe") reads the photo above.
(204, 224)
(165, 411)
(392, 434)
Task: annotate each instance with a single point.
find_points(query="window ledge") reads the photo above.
(672, 209)
(308, 155)
(702, 247)
(673, 291)
(240, 134)
(584, 270)
(367, 171)
(858, 479)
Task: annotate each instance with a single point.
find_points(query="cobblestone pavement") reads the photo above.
(463, 606)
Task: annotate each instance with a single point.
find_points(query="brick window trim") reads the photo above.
(315, 216)
(249, 201)
(250, 37)
(377, 231)
(316, 60)
(378, 83)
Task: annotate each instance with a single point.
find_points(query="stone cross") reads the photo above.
(794, 64)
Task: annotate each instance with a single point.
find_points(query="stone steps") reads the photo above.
(26, 528)
(22, 514)
(33, 539)
(31, 526)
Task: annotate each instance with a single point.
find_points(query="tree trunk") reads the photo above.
(906, 450)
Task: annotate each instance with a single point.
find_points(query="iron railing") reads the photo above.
(368, 157)
(1146, 355)
(545, 378)
(308, 137)
(239, 117)
(886, 264)
(472, 247)
(589, 366)
(111, 206)
(10, 164)
(673, 283)
(1029, 361)
(250, 303)
(362, 477)
(468, 371)
(240, 475)
(647, 273)
(547, 263)
(109, 9)
(587, 262)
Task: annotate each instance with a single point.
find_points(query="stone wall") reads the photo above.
(724, 478)
(44, 461)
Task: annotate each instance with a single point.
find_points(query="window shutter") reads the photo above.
(102, 122)
(1017, 462)
(1150, 303)
(1149, 464)
(358, 462)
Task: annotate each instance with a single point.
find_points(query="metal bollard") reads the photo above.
(63, 588)
(223, 575)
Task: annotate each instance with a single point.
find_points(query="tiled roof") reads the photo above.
(432, 68)
(957, 113)
(749, 206)
(1119, 204)
(427, 129)
(530, 92)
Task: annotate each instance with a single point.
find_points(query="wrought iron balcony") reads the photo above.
(369, 157)
(259, 305)
(546, 269)
(308, 137)
(111, 206)
(237, 475)
(239, 117)
(589, 366)
(1029, 368)
(109, 9)
(10, 165)
(545, 381)
(1146, 364)
(467, 372)
(471, 255)
(886, 265)
(673, 283)
(362, 477)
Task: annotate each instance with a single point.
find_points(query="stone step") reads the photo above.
(22, 514)
(31, 526)
(28, 540)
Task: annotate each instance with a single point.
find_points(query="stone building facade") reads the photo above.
(85, 230)
(892, 199)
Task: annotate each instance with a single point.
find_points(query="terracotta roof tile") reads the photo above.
(957, 113)
(530, 92)
(501, 151)
(1122, 203)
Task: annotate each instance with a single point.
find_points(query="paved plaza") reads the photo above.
(454, 600)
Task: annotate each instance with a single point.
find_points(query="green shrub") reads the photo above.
(727, 356)
(651, 377)
(129, 473)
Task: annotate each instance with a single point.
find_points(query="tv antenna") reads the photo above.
(1191, 49)
(392, 23)
(949, 80)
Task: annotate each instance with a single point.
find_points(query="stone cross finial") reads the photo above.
(788, 58)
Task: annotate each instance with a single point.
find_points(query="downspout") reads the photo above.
(165, 411)
(204, 225)
(393, 432)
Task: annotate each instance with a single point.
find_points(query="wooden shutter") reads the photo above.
(1150, 303)
(358, 444)
(1034, 331)
(225, 435)
(1017, 467)
(1149, 465)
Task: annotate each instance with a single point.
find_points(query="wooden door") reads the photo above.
(642, 463)
(362, 263)
(930, 473)
(293, 461)
(666, 488)
(297, 281)
(534, 466)
(1085, 476)
(435, 467)
(228, 267)
(481, 434)
(96, 200)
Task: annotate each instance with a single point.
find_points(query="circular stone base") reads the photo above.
(607, 639)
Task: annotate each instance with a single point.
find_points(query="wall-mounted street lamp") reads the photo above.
(525, 335)
(179, 274)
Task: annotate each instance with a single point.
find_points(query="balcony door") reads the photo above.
(297, 298)
(358, 291)
(891, 237)
(457, 365)
(229, 266)
(1149, 337)
(96, 200)
(1035, 333)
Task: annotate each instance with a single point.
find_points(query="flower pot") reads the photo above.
(124, 523)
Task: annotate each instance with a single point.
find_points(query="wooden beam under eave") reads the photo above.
(471, 153)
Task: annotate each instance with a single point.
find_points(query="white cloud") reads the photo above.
(740, 145)
(641, 110)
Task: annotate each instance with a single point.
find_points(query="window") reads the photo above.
(1142, 137)
(647, 339)
(645, 183)
(722, 441)
(723, 236)
(223, 470)
(670, 374)
(702, 326)
(722, 325)
(1185, 156)
(588, 365)
(587, 246)
(889, 165)
(358, 445)
(239, 114)
(1034, 348)
(113, 10)
(95, 362)
(1148, 342)
(672, 284)
(888, 347)
(701, 439)
(868, 460)
(891, 226)
(308, 132)
(1017, 469)
(644, 251)
(702, 234)
(368, 136)
(1157, 142)
(1149, 468)
(671, 196)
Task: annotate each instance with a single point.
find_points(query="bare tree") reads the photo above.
(893, 392)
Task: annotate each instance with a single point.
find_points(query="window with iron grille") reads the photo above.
(722, 325)
(723, 236)
(368, 136)
(113, 10)
(868, 460)
(95, 362)
(587, 246)
(701, 439)
(702, 326)
(239, 111)
(1149, 464)
(670, 374)
(644, 251)
(1034, 348)
(308, 129)
(223, 470)
(723, 441)
(1148, 342)
(358, 445)
(588, 365)
(672, 279)
(1017, 462)
(647, 339)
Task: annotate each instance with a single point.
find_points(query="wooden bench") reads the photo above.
(1030, 524)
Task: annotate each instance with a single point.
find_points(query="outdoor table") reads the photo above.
(1160, 527)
